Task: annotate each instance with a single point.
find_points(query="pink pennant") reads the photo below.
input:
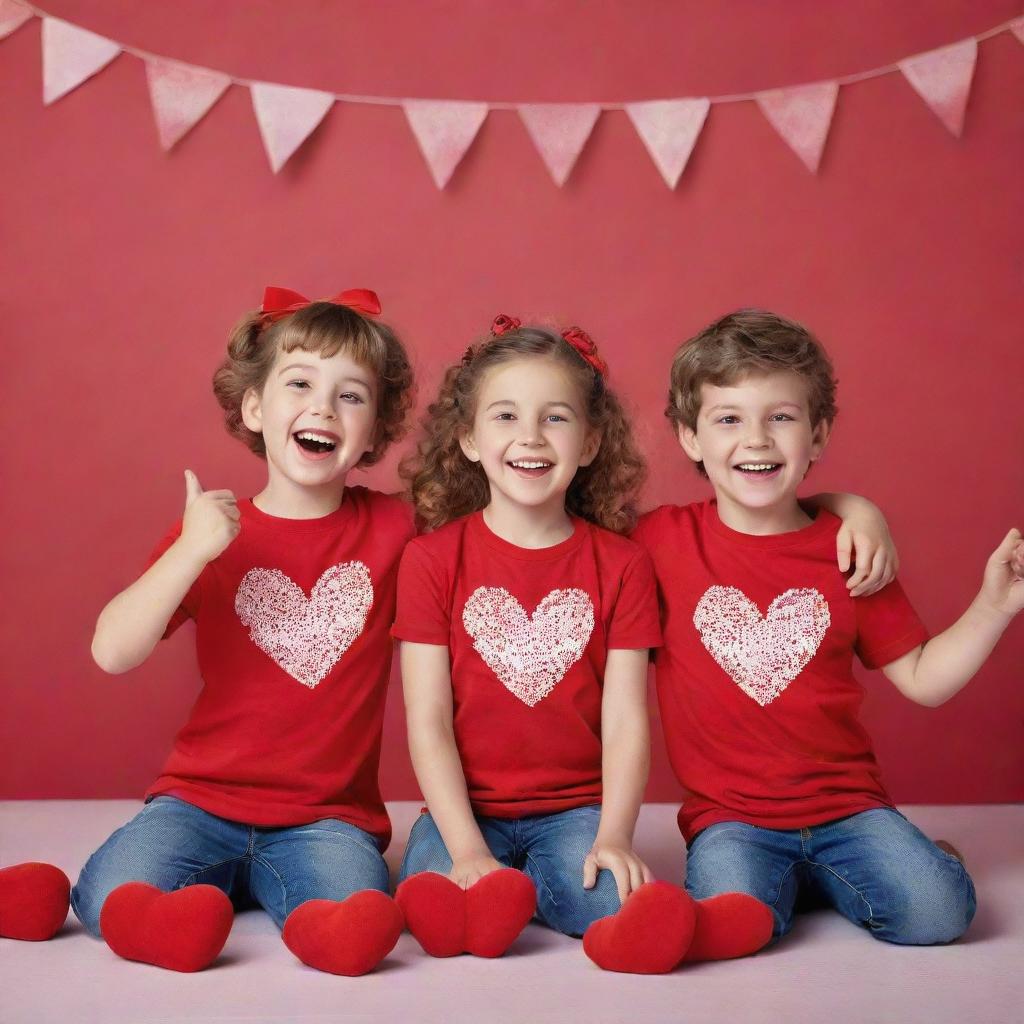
(12, 17)
(70, 56)
(181, 95)
(942, 78)
(287, 117)
(444, 131)
(802, 115)
(1017, 28)
(669, 130)
(560, 131)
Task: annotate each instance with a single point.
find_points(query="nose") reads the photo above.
(323, 406)
(756, 436)
(530, 436)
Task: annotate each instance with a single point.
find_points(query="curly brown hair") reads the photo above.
(444, 484)
(745, 341)
(325, 328)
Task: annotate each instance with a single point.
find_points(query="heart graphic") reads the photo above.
(762, 654)
(529, 654)
(306, 637)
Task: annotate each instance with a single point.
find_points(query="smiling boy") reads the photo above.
(755, 678)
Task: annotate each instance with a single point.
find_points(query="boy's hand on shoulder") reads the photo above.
(211, 521)
(1002, 589)
(629, 870)
(865, 543)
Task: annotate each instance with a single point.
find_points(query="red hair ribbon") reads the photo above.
(281, 302)
(504, 323)
(584, 345)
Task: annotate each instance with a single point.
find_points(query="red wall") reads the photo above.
(124, 267)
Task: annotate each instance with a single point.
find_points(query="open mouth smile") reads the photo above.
(315, 444)
(759, 470)
(530, 467)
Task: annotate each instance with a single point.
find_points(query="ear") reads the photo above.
(819, 439)
(688, 442)
(468, 446)
(252, 411)
(591, 446)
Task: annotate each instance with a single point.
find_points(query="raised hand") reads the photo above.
(211, 521)
(1003, 586)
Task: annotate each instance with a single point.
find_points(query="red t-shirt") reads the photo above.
(292, 624)
(528, 632)
(755, 678)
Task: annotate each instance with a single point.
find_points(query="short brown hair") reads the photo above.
(324, 328)
(445, 485)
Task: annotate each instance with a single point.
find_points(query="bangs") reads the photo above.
(327, 329)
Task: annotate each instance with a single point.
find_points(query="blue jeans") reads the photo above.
(875, 868)
(171, 844)
(548, 848)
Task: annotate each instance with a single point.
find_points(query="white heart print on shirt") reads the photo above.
(762, 654)
(305, 636)
(529, 654)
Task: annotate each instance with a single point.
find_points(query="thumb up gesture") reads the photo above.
(211, 519)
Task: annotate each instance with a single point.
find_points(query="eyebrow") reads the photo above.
(776, 405)
(547, 405)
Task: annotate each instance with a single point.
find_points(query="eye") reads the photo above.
(557, 418)
(782, 416)
(505, 417)
(299, 385)
(353, 398)
(728, 420)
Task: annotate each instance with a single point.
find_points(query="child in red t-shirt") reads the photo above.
(270, 794)
(755, 682)
(525, 620)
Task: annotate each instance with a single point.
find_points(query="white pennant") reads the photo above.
(559, 131)
(12, 17)
(1017, 28)
(669, 130)
(802, 116)
(444, 130)
(287, 117)
(181, 96)
(942, 78)
(70, 56)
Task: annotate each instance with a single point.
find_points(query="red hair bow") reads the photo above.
(584, 344)
(280, 302)
(504, 323)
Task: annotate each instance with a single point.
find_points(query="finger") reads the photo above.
(589, 872)
(192, 488)
(221, 495)
(648, 874)
(861, 569)
(620, 871)
(636, 875)
(233, 514)
(1009, 542)
(875, 575)
(843, 549)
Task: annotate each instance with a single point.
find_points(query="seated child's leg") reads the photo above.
(426, 851)
(168, 844)
(732, 856)
(882, 872)
(556, 847)
(326, 860)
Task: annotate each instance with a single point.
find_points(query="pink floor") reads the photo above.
(827, 971)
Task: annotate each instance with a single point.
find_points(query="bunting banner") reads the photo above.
(183, 94)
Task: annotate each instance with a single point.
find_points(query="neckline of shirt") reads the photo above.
(322, 524)
(822, 523)
(479, 527)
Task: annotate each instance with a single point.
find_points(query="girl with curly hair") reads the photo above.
(270, 794)
(526, 620)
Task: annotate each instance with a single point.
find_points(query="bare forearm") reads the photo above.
(949, 661)
(435, 759)
(131, 625)
(625, 765)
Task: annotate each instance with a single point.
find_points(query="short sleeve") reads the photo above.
(635, 620)
(423, 614)
(887, 626)
(190, 602)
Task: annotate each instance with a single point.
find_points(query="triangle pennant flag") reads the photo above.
(12, 17)
(669, 130)
(286, 117)
(70, 56)
(444, 130)
(181, 95)
(1017, 28)
(942, 78)
(802, 115)
(560, 131)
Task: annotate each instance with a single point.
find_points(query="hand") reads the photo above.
(864, 540)
(629, 870)
(1002, 588)
(211, 519)
(468, 870)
